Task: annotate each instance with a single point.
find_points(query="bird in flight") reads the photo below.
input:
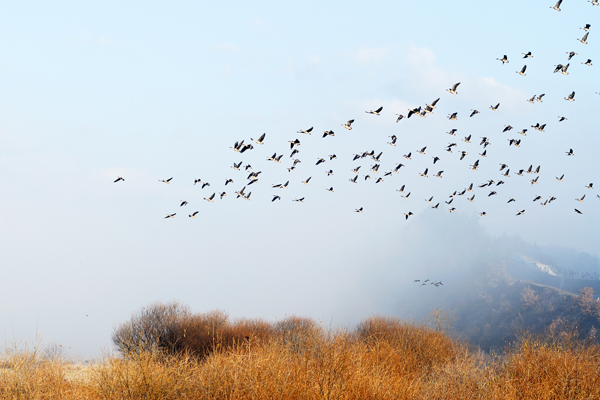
(120, 178)
(557, 5)
(503, 59)
(165, 180)
(375, 112)
(193, 215)
(453, 88)
(348, 125)
(522, 71)
(171, 215)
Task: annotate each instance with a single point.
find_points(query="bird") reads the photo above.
(522, 71)
(452, 132)
(171, 215)
(237, 146)
(536, 198)
(590, 186)
(359, 210)
(561, 119)
(407, 195)
(375, 112)
(527, 55)
(197, 181)
(435, 159)
(433, 103)
(436, 206)
(439, 174)
(222, 194)
(570, 152)
(120, 178)
(531, 100)
(260, 140)
(495, 108)
(293, 143)
(353, 180)
(424, 174)
(584, 38)
(503, 59)
(240, 193)
(408, 214)
(348, 125)
(452, 90)
(571, 54)
(275, 197)
(577, 211)
(558, 67)
(328, 133)
(467, 139)
(510, 200)
(205, 184)
(571, 97)
(453, 116)
(400, 116)
(483, 213)
(588, 62)
(520, 212)
(581, 199)
(320, 161)
(594, 2)
(557, 5)
(165, 180)
(228, 181)
(306, 131)
(300, 200)
(422, 151)
(407, 156)
(183, 203)
(330, 189)
(452, 209)
(193, 215)
(474, 112)
(429, 200)
(586, 27)
(560, 179)
(237, 166)
(539, 98)
(210, 199)
(306, 181)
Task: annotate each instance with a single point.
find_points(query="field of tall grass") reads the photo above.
(207, 356)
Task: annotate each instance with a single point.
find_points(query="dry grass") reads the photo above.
(383, 358)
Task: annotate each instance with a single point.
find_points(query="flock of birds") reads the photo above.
(491, 185)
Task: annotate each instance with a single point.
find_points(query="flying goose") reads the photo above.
(452, 209)
(594, 3)
(581, 199)
(584, 38)
(228, 181)
(353, 180)
(193, 215)
(330, 172)
(222, 194)
(408, 214)
(531, 100)
(435, 159)
(260, 139)
(120, 178)
(523, 132)
(210, 199)
(359, 210)
(472, 198)
(393, 142)
(475, 165)
(407, 195)
(183, 203)
(171, 215)
(407, 156)
(453, 116)
(474, 112)
(523, 211)
(510, 200)
(375, 112)
(576, 210)
(503, 59)
(588, 62)
(424, 174)
(330, 189)
(452, 132)
(436, 206)
(561, 119)
(240, 193)
(433, 103)
(237, 166)
(522, 71)
(306, 181)
(400, 116)
(467, 139)
(539, 98)
(463, 154)
(429, 200)
(495, 108)
(536, 198)
(527, 55)
(247, 197)
(422, 151)
(205, 184)
(293, 143)
(300, 200)
(348, 124)
(571, 97)
(558, 67)
(328, 133)
(275, 197)
(307, 131)
(237, 146)
(571, 54)
(507, 128)
(320, 161)
(165, 180)
(570, 152)
(590, 186)
(586, 27)
(452, 90)
(557, 5)
(560, 179)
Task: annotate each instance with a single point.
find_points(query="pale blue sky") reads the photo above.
(150, 90)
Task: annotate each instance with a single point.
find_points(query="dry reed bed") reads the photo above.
(382, 358)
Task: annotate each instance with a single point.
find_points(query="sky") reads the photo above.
(152, 90)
